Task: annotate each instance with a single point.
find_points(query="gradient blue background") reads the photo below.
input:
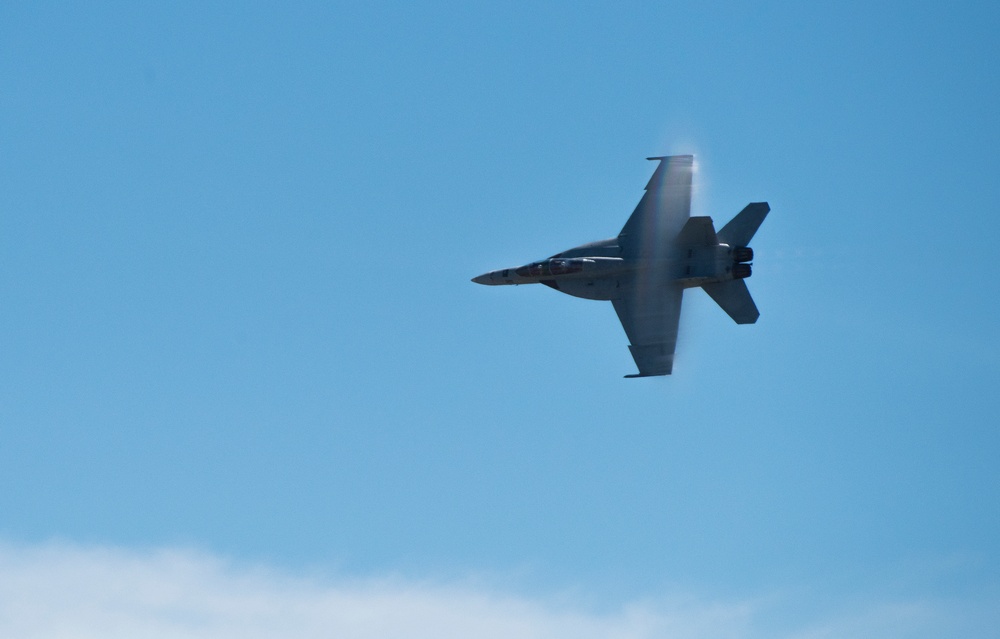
(235, 308)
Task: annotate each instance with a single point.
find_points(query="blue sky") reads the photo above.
(237, 320)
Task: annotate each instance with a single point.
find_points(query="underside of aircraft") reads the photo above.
(643, 271)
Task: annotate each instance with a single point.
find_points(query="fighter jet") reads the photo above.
(643, 272)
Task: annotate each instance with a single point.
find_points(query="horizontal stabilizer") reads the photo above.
(734, 298)
(741, 228)
(698, 231)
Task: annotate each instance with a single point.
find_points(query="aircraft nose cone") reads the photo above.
(483, 279)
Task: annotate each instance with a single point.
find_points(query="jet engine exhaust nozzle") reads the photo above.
(741, 271)
(742, 254)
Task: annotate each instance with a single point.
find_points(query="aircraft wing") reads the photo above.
(650, 322)
(662, 211)
(650, 306)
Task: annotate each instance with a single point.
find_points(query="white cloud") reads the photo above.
(65, 592)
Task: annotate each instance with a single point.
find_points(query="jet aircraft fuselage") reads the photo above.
(644, 270)
(701, 265)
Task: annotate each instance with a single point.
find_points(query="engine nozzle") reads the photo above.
(741, 271)
(742, 254)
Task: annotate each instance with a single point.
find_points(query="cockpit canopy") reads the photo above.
(551, 268)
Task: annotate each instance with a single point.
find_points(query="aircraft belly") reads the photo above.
(591, 289)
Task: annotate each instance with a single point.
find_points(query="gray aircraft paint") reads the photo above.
(659, 252)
